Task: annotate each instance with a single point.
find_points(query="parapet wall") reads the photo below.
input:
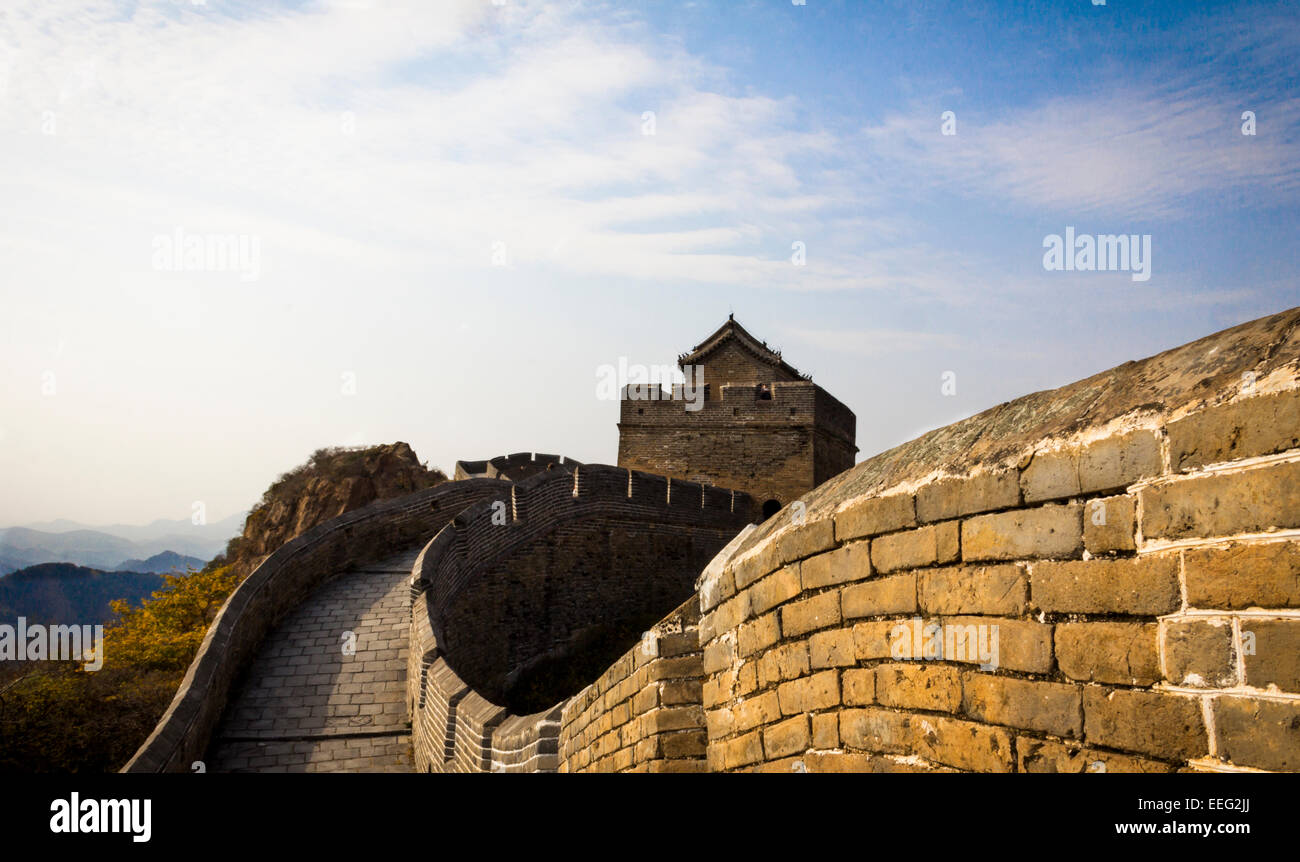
(514, 467)
(522, 593)
(644, 714)
(1101, 578)
(274, 588)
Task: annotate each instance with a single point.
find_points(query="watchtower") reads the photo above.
(745, 419)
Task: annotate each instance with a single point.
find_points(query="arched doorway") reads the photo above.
(770, 508)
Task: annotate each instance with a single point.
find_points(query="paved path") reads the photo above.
(305, 706)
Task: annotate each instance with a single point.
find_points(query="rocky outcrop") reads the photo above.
(333, 481)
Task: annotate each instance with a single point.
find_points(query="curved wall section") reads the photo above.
(1101, 578)
(276, 586)
(521, 606)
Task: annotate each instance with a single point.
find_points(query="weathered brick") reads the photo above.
(832, 649)
(1051, 707)
(717, 588)
(1251, 501)
(677, 766)
(682, 667)
(876, 729)
(1161, 724)
(966, 495)
(1276, 659)
(791, 736)
(997, 589)
(716, 692)
(875, 515)
(919, 685)
(811, 614)
(879, 639)
(964, 744)
(757, 563)
(1137, 585)
(852, 562)
(1254, 575)
(826, 730)
(1198, 652)
(1047, 755)
(780, 586)
(1119, 461)
(810, 693)
(1117, 653)
(859, 686)
(687, 743)
(806, 540)
(742, 751)
(1248, 428)
(1261, 733)
(1049, 531)
(720, 723)
(719, 654)
(725, 617)
(647, 698)
(895, 594)
(784, 662)
(677, 718)
(677, 643)
(758, 710)
(681, 692)
(937, 543)
(1051, 476)
(841, 762)
(1020, 644)
(757, 635)
(1109, 524)
(746, 678)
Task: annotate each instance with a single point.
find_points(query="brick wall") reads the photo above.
(777, 448)
(644, 713)
(1142, 580)
(504, 605)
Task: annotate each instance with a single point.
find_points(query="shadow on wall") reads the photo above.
(529, 609)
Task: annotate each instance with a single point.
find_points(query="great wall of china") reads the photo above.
(1103, 577)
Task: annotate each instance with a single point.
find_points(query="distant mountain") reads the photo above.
(161, 564)
(61, 593)
(213, 535)
(26, 547)
(110, 547)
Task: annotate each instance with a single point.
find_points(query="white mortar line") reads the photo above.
(1218, 468)
(1236, 646)
(1158, 545)
(1234, 691)
(1219, 766)
(1252, 613)
(1207, 717)
(1182, 578)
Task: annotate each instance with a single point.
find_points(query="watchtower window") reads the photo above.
(763, 392)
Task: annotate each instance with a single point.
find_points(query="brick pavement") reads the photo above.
(305, 705)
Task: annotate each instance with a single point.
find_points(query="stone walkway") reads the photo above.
(306, 706)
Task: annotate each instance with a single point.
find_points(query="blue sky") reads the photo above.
(460, 214)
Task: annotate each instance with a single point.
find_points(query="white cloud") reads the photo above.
(1135, 151)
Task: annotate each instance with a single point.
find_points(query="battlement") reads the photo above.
(800, 402)
(483, 533)
(519, 465)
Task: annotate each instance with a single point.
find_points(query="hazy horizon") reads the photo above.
(236, 232)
